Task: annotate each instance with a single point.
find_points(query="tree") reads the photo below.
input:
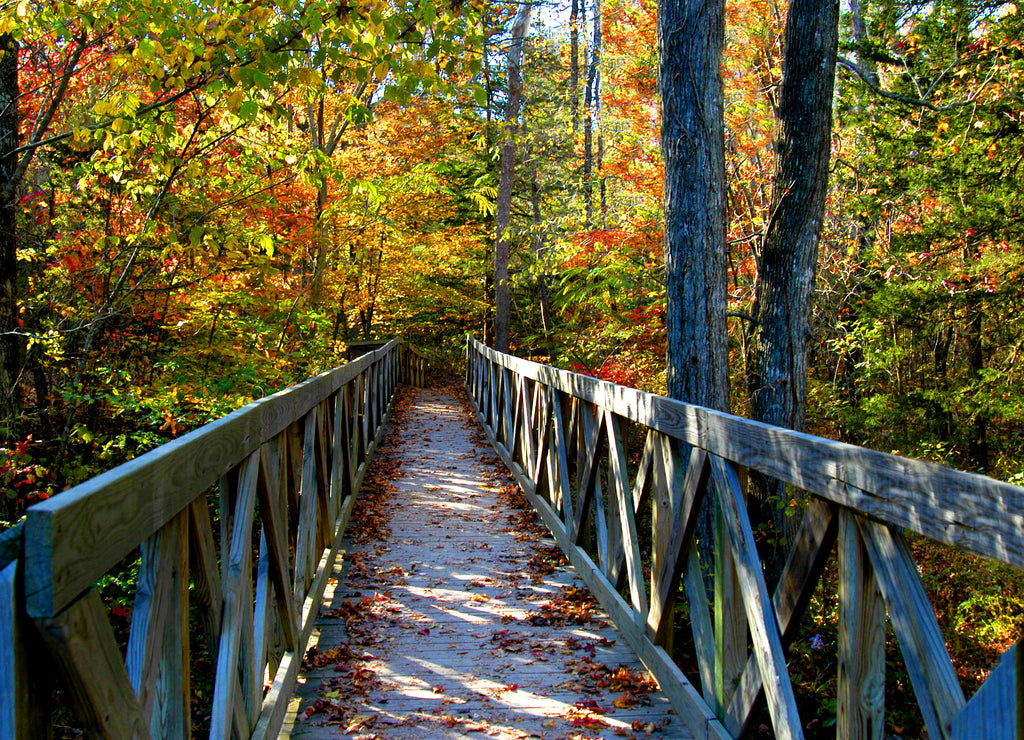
(690, 39)
(503, 206)
(931, 142)
(781, 326)
(10, 344)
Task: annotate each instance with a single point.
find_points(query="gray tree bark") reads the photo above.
(777, 347)
(591, 108)
(574, 63)
(690, 38)
(503, 206)
(10, 339)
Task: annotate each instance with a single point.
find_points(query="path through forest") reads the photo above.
(451, 615)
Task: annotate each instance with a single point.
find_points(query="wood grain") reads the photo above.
(83, 644)
(924, 650)
(24, 667)
(861, 684)
(990, 713)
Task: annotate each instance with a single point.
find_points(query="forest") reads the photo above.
(203, 203)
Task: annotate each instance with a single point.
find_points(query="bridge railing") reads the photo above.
(249, 564)
(563, 436)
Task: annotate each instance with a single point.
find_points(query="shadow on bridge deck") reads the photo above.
(461, 621)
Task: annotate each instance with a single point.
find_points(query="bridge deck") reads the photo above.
(462, 620)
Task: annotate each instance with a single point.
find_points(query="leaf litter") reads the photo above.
(528, 665)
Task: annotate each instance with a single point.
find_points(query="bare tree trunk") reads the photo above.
(977, 444)
(601, 180)
(316, 127)
(543, 294)
(777, 365)
(10, 340)
(574, 64)
(591, 104)
(503, 207)
(690, 38)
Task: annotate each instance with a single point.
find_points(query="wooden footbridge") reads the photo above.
(238, 532)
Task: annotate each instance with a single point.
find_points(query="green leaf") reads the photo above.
(480, 95)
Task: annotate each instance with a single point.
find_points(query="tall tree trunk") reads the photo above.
(543, 294)
(977, 435)
(316, 127)
(503, 207)
(602, 180)
(591, 105)
(10, 340)
(777, 361)
(574, 64)
(690, 38)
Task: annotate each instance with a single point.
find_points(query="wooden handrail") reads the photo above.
(562, 435)
(287, 469)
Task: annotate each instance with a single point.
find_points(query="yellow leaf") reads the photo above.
(381, 70)
(235, 101)
(235, 74)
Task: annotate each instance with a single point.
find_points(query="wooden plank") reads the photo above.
(24, 683)
(274, 529)
(542, 468)
(626, 506)
(593, 436)
(558, 442)
(236, 605)
(811, 548)
(528, 404)
(325, 516)
(205, 577)
(506, 409)
(78, 536)
(764, 628)
(965, 510)
(640, 497)
(305, 548)
(861, 685)
(11, 544)
(682, 520)
(84, 647)
(338, 439)
(293, 478)
(913, 620)
(152, 608)
(664, 483)
(171, 712)
(994, 712)
(702, 624)
(730, 624)
(264, 622)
